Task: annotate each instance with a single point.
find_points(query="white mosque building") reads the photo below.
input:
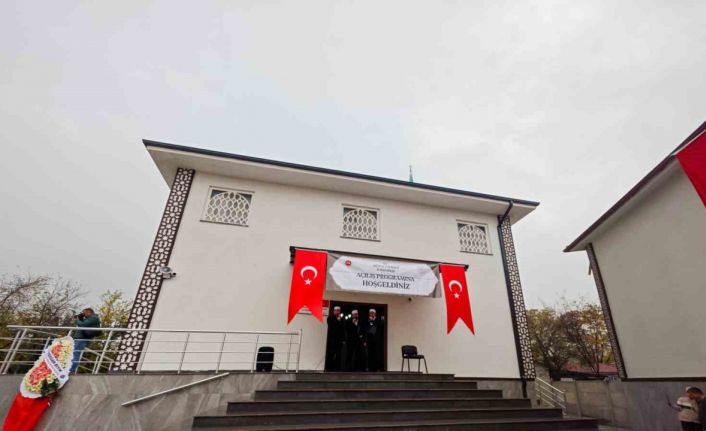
(232, 225)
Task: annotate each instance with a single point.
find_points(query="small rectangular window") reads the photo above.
(227, 206)
(361, 223)
(473, 237)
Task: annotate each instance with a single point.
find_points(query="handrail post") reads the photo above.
(183, 352)
(289, 353)
(17, 346)
(254, 354)
(6, 361)
(299, 348)
(566, 404)
(78, 363)
(220, 353)
(106, 342)
(143, 353)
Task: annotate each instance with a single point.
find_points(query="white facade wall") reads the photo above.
(653, 262)
(238, 278)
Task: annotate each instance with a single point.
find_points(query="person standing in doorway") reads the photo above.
(373, 341)
(334, 340)
(355, 360)
(85, 319)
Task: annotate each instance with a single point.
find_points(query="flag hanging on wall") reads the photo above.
(693, 160)
(458, 303)
(308, 283)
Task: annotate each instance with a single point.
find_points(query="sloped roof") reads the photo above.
(168, 157)
(653, 176)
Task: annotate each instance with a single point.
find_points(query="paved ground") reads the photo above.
(607, 428)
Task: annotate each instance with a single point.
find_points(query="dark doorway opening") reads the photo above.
(363, 308)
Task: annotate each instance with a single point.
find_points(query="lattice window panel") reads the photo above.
(361, 223)
(228, 206)
(474, 238)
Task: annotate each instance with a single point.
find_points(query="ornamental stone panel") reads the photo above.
(131, 343)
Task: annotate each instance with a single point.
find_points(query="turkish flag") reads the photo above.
(24, 413)
(458, 304)
(308, 282)
(693, 161)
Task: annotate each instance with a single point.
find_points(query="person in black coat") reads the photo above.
(374, 331)
(698, 396)
(355, 359)
(335, 340)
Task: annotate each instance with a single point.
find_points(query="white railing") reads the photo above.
(550, 395)
(164, 350)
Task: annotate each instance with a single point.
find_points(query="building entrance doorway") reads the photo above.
(361, 347)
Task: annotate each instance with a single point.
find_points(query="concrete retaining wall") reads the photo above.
(597, 399)
(638, 405)
(94, 402)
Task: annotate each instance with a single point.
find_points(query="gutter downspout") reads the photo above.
(507, 212)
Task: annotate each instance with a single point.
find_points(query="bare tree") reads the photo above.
(27, 299)
(583, 325)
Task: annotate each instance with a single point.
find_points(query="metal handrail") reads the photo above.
(199, 331)
(178, 388)
(551, 395)
(25, 346)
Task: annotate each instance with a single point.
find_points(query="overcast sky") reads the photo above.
(568, 103)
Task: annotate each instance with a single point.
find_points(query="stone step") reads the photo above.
(308, 375)
(376, 384)
(374, 404)
(541, 424)
(348, 416)
(327, 394)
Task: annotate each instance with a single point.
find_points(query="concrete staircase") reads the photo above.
(388, 401)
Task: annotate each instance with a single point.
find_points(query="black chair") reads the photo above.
(265, 359)
(410, 352)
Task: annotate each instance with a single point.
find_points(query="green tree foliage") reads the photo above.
(569, 331)
(114, 309)
(550, 346)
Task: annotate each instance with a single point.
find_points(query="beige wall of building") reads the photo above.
(238, 278)
(653, 260)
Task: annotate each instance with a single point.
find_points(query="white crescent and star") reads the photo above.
(307, 281)
(460, 288)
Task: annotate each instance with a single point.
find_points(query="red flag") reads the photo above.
(693, 161)
(308, 282)
(458, 305)
(24, 413)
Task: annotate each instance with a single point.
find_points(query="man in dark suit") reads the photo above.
(374, 331)
(335, 338)
(355, 360)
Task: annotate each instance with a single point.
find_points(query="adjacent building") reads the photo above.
(647, 254)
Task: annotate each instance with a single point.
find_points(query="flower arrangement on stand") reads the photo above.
(39, 385)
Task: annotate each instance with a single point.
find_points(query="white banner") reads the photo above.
(394, 277)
